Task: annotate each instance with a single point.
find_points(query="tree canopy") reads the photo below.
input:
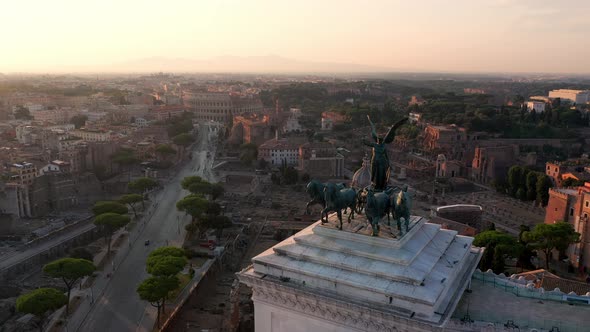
(69, 270)
(184, 139)
(131, 200)
(102, 207)
(165, 265)
(22, 113)
(248, 153)
(110, 222)
(179, 125)
(142, 185)
(167, 251)
(196, 185)
(40, 301)
(549, 237)
(528, 185)
(124, 156)
(155, 290)
(498, 246)
(79, 120)
(165, 149)
(81, 252)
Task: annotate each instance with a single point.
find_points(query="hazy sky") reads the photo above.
(435, 35)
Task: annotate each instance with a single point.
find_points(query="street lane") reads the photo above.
(120, 308)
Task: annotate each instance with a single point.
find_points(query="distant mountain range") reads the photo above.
(240, 64)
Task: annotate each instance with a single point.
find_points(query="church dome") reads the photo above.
(362, 177)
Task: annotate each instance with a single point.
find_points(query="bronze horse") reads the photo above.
(401, 204)
(338, 200)
(315, 190)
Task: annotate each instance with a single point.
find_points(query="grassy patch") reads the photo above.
(184, 280)
(197, 262)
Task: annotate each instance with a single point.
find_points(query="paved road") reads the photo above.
(119, 308)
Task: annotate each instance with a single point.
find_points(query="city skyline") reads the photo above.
(230, 36)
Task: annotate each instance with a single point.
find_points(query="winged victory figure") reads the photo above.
(380, 169)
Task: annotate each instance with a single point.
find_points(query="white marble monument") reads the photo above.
(323, 279)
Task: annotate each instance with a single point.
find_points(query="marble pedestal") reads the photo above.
(325, 279)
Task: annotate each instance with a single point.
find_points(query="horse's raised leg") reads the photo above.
(340, 219)
(323, 213)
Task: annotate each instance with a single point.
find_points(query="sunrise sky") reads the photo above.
(436, 35)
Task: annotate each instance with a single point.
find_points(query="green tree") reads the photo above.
(195, 206)
(525, 254)
(101, 207)
(81, 252)
(497, 245)
(110, 222)
(125, 157)
(543, 185)
(155, 290)
(531, 186)
(164, 150)
(166, 262)
(217, 222)
(248, 153)
(521, 194)
(549, 237)
(142, 185)
(216, 190)
(196, 185)
(39, 301)
(179, 126)
(516, 177)
(498, 261)
(22, 113)
(131, 200)
(571, 182)
(79, 120)
(168, 251)
(183, 139)
(165, 265)
(69, 270)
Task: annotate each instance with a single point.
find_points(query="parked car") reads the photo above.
(147, 242)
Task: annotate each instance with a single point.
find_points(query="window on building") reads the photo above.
(587, 203)
(571, 212)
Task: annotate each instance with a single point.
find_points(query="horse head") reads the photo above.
(314, 188)
(401, 198)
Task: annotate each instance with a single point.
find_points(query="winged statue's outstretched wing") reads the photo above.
(373, 130)
(391, 133)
